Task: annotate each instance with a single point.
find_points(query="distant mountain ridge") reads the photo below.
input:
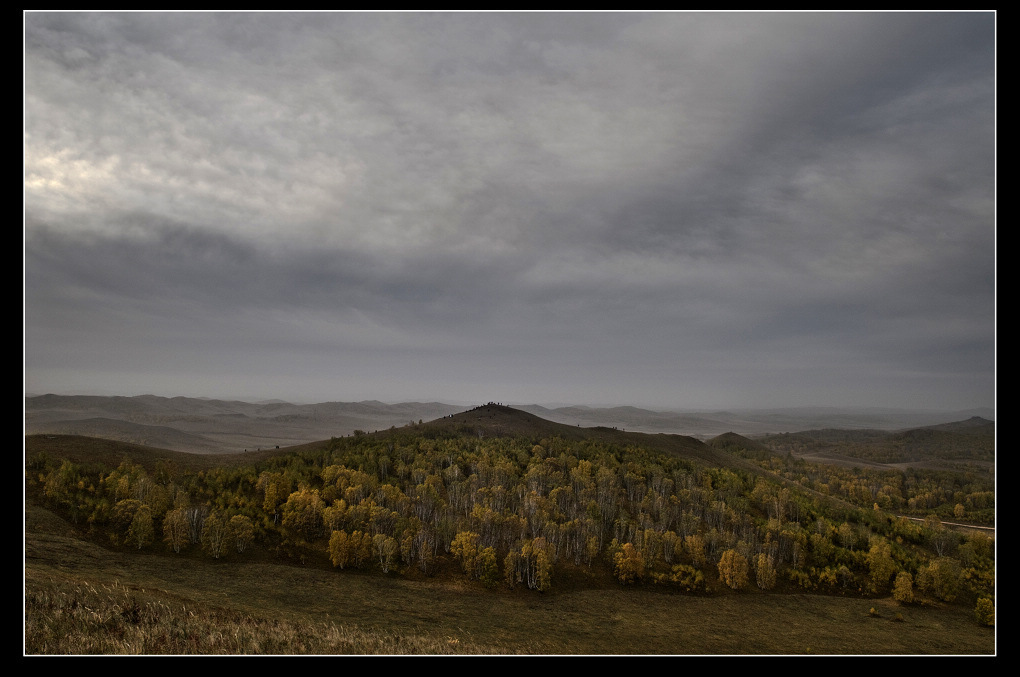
(205, 425)
(706, 425)
(209, 425)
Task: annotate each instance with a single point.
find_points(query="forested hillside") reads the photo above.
(502, 498)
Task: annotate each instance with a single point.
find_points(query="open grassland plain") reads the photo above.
(81, 598)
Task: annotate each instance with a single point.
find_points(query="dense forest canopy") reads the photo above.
(507, 505)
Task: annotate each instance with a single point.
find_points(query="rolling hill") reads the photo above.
(215, 426)
(972, 440)
(200, 425)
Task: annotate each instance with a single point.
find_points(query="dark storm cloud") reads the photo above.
(765, 208)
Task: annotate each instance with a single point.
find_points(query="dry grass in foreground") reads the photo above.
(76, 618)
(82, 598)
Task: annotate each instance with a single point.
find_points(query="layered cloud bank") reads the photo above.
(668, 209)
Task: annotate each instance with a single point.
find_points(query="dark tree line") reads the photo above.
(516, 511)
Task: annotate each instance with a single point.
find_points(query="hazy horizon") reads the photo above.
(547, 405)
(669, 210)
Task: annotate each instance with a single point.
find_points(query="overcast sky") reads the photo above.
(672, 210)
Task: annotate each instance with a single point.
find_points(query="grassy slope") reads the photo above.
(286, 608)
